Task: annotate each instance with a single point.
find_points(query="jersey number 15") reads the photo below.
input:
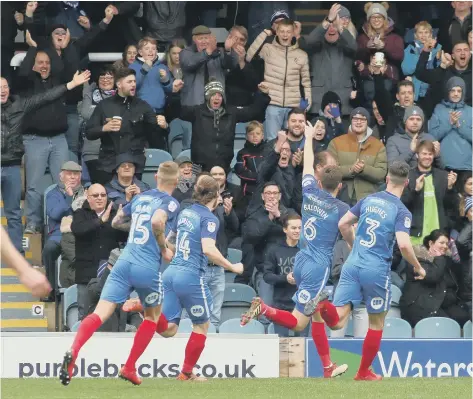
(137, 226)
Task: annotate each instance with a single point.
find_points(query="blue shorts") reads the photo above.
(186, 290)
(126, 277)
(358, 285)
(310, 279)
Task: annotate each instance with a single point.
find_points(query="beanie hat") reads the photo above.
(279, 14)
(468, 204)
(214, 86)
(344, 12)
(413, 110)
(376, 8)
(330, 97)
(360, 111)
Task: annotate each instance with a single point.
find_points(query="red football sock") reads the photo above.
(86, 329)
(194, 348)
(162, 324)
(281, 317)
(142, 339)
(370, 349)
(321, 343)
(329, 313)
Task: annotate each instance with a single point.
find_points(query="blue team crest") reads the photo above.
(407, 223)
(172, 206)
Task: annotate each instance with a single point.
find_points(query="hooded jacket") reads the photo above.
(398, 147)
(164, 19)
(286, 69)
(149, 86)
(347, 150)
(278, 263)
(14, 114)
(116, 192)
(455, 141)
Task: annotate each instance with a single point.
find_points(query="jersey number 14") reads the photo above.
(183, 246)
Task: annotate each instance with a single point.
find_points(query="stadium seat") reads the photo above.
(155, 157)
(233, 326)
(437, 327)
(229, 277)
(271, 329)
(234, 255)
(467, 329)
(240, 129)
(236, 300)
(396, 294)
(185, 327)
(396, 328)
(148, 178)
(239, 143)
(70, 308)
(175, 137)
(45, 217)
(75, 327)
(185, 153)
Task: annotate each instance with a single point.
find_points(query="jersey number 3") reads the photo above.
(137, 226)
(373, 225)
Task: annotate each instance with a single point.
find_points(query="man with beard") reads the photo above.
(124, 124)
(332, 50)
(429, 194)
(362, 157)
(403, 145)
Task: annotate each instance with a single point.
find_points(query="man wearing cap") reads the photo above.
(187, 178)
(203, 60)
(60, 203)
(125, 185)
(402, 146)
(332, 50)
(361, 156)
(214, 123)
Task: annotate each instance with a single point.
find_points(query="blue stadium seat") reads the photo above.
(233, 326)
(236, 300)
(240, 129)
(155, 157)
(229, 277)
(185, 327)
(239, 143)
(467, 329)
(234, 255)
(148, 178)
(396, 328)
(175, 137)
(437, 327)
(76, 326)
(185, 153)
(70, 307)
(45, 217)
(396, 294)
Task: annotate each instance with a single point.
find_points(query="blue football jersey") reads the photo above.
(142, 247)
(193, 224)
(380, 217)
(321, 213)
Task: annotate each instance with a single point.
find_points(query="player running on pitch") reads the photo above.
(321, 212)
(366, 273)
(147, 217)
(184, 285)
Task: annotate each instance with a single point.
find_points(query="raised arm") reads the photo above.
(308, 167)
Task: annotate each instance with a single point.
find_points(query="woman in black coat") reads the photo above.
(437, 294)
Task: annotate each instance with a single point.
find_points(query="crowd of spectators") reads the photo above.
(376, 94)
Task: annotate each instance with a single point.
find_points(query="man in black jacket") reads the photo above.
(428, 195)
(213, 125)
(124, 124)
(95, 238)
(278, 267)
(15, 110)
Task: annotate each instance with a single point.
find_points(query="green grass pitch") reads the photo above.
(284, 388)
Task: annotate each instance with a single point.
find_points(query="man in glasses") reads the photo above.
(95, 238)
(362, 157)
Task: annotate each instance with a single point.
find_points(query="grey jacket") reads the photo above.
(398, 148)
(198, 68)
(331, 66)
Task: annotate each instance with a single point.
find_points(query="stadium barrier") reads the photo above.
(400, 357)
(36, 355)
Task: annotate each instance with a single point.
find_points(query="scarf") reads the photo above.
(184, 185)
(78, 196)
(73, 4)
(99, 95)
(218, 113)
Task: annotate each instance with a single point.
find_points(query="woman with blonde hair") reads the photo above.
(377, 36)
